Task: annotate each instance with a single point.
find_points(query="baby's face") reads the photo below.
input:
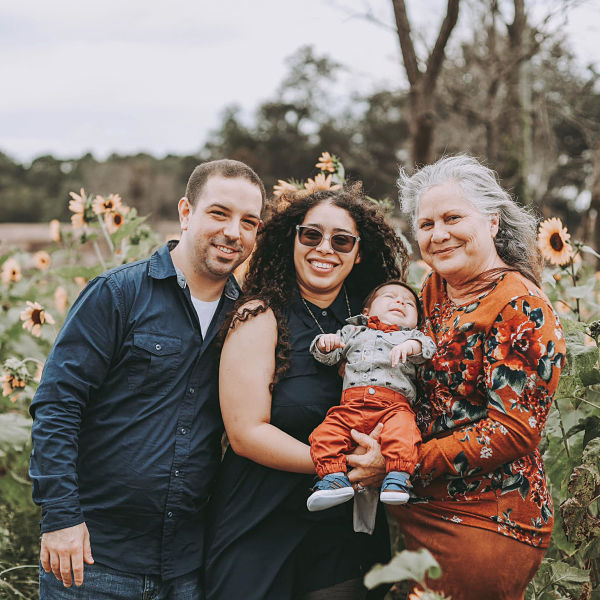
(394, 305)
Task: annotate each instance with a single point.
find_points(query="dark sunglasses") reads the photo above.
(312, 237)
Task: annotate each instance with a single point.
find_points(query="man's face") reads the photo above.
(219, 230)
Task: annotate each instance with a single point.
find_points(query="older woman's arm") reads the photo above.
(246, 370)
(522, 359)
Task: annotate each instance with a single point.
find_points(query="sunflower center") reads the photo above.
(556, 242)
(36, 316)
(117, 219)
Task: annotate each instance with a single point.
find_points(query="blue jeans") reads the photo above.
(103, 583)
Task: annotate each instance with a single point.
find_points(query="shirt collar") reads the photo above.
(364, 319)
(162, 267)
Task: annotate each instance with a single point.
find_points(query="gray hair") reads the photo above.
(517, 227)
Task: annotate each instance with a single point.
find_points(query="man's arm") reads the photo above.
(75, 368)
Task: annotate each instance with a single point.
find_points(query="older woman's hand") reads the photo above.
(367, 462)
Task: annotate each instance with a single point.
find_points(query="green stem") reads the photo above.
(30, 359)
(106, 235)
(562, 429)
(574, 278)
(99, 255)
(590, 403)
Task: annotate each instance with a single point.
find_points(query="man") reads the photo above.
(127, 426)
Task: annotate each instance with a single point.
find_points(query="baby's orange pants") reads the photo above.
(362, 408)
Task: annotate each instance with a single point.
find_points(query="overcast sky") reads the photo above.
(155, 75)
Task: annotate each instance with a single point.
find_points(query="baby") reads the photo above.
(379, 387)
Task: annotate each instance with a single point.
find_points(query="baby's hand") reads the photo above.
(404, 350)
(329, 341)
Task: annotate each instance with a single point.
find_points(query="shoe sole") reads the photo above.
(323, 499)
(394, 497)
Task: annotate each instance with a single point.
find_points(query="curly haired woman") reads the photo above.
(483, 508)
(315, 262)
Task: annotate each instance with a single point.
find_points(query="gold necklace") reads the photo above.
(310, 312)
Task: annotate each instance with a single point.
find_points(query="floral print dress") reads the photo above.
(484, 399)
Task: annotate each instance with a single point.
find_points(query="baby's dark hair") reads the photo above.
(373, 293)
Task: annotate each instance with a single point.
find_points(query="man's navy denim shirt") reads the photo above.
(127, 425)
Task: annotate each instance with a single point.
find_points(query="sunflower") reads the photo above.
(113, 220)
(321, 182)
(54, 227)
(10, 383)
(326, 162)
(112, 203)
(283, 187)
(61, 299)
(11, 271)
(34, 317)
(42, 260)
(77, 206)
(553, 242)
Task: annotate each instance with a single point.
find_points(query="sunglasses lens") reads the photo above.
(309, 236)
(342, 243)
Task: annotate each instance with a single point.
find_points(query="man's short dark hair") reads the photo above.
(230, 169)
(372, 295)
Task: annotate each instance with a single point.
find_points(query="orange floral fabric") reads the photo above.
(484, 399)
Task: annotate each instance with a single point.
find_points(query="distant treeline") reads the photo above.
(371, 135)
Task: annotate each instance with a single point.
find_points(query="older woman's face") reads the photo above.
(321, 269)
(455, 239)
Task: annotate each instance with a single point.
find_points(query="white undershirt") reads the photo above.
(205, 312)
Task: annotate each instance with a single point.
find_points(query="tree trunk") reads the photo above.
(423, 83)
(518, 94)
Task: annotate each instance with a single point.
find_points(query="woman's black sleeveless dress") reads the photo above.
(262, 543)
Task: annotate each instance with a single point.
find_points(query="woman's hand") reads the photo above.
(368, 463)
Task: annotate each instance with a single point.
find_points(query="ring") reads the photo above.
(359, 488)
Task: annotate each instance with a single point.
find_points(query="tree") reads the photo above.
(422, 94)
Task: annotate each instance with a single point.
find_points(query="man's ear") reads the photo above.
(357, 259)
(184, 208)
(365, 311)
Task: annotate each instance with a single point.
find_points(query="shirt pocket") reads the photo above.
(154, 361)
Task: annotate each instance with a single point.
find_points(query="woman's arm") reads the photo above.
(246, 370)
(522, 360)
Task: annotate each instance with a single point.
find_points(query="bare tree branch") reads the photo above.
(436, 58)
(406, 44)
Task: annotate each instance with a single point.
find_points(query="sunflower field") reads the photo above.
(37, 289)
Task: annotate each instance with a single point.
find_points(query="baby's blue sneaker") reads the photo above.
(395, 488)
(333, 489)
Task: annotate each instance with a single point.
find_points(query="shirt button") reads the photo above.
(324, 313)
(177, 473)
(191, 390)
(158, 346)
(183, 431)
(169, 514)
(371, 391)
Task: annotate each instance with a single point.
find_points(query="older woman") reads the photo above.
(315, 262)
(483, 507)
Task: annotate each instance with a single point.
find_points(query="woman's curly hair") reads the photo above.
(271, 276)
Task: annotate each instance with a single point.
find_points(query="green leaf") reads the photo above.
(126, 229)
(70, 272)
(404, 565)
(570, 579)
(580, 291)
(15, 431)
(590, 377)
(590, 251)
